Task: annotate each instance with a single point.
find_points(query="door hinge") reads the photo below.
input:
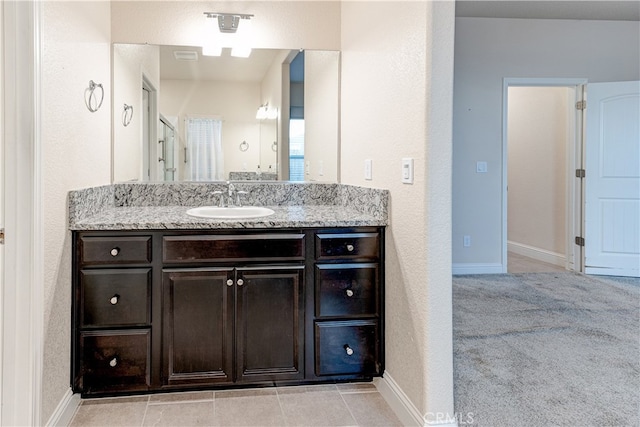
(1, 236)
(579, 241)
(580, 173)
(581, 105)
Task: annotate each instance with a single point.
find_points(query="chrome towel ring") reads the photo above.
(127, 115)
(244, 146)
(91, 97)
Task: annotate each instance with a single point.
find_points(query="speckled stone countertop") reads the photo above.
(158, 206)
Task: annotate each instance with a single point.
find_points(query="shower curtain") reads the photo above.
(204, 141)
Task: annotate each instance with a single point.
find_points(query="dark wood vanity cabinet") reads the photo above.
(171, 310)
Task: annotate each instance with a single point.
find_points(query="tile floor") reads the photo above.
(522, 264)
(357, 404)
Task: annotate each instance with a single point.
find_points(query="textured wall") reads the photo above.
(396, 102)
(276, 24)
(488, 50)
(76, 152)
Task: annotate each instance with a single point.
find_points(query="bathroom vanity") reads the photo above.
(176, 302)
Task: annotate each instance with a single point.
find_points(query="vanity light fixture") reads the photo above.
(228, 33)
(266, 112)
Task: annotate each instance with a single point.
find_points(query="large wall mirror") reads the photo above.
(182, 116)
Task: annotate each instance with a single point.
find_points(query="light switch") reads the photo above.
(481, 167)
(407, 170)
(368, 169)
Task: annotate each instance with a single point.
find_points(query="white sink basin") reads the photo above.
(230, 213)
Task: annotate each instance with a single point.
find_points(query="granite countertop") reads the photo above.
(175, 217)
(161, 206)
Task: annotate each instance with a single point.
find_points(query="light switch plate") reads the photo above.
(407, 170)
(368, 169)
(481, 167)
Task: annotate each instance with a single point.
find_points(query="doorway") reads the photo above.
(542, 203)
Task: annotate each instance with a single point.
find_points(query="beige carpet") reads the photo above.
(546, 349)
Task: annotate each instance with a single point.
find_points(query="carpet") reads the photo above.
(546, 349)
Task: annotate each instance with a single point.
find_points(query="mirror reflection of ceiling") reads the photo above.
(224, 67)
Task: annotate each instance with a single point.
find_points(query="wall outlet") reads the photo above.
(466, 241)
(481, 167)
(320, 168)
(368, 169)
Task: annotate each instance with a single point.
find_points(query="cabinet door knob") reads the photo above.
(350, 248)
(348, 349)
(115, 251)
(114, 299)
(229, 282)
(349, 293)
(240, 282)
(113, 362)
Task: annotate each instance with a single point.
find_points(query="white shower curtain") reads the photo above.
(204, 139)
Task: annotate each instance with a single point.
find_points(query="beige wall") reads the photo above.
(76, 148)
(396, 102)
(538, 142)
(321, 100)
(277, 24)
(488, 50)
(182, 98)
(130, 63)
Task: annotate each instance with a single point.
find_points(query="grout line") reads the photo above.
(177, 402)
(353, 417)
(359, 392)
(284, 416)
(146, 408)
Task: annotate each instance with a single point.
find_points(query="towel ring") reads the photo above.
(274, 146)
(91, 98)
(127, 115)
(244, 146)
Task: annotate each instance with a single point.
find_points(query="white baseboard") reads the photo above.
(404, 409)
(469, 268)
(65, 410)
(537, 253)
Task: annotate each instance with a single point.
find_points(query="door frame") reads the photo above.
(575, 160)
(22, 296)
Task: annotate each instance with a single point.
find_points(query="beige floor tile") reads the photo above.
(314, 407)
(184, 414)
(370, 409)
(180, 397)
(248, 408)
(111, 412)
(357, 388)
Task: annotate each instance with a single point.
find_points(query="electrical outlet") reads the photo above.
(407, 170)
(466, 241)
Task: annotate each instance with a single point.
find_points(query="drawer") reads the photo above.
(236, 248)
(115, 297)
(347, 245)
(346, 290)
(113, 360)
(347, 348)
(115, 250)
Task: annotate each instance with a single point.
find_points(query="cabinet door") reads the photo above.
(270, 324)
(198, 326)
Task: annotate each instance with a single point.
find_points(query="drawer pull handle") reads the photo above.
(115, 251)
(113, 362)
(229, 282)
(350, 248)
(114, 299)
(240, 282)
(348, 349)
(349, 293)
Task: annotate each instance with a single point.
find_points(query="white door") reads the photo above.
(612, 187)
